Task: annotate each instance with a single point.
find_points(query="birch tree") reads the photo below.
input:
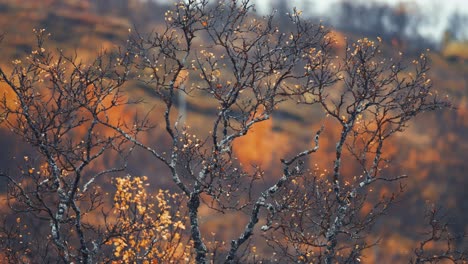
(57, 105)
(248, 67)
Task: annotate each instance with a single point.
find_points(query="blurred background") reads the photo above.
(432, 151)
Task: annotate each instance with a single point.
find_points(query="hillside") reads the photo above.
(432, 151)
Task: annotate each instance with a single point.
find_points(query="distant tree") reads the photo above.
(246, 67)
(400, 23)
(457, 25)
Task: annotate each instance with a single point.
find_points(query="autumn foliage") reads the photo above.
(148, 229)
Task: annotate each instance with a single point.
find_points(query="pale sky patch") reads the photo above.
(440, 10)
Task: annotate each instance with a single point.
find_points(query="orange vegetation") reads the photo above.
(149, 227)
(340, 40)
(261, 145)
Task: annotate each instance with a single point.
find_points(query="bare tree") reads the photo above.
(324, 218)
(445, 245)
(57, 105)
(248, 67)
(266, 66)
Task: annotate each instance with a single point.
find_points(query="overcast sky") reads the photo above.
(440, 9)
(324, 5)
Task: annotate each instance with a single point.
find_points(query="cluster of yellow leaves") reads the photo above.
(149, 230)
